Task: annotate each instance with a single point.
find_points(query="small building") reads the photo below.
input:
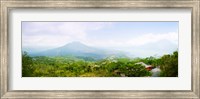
(117, 72)
(148, 67)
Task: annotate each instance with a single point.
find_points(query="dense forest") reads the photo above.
(70, 66)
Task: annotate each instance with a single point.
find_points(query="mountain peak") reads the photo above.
(75, 43)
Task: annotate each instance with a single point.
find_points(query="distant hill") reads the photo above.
(150, 49)
(79, 49)
(82, 51)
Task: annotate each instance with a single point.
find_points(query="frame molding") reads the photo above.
(7, 5)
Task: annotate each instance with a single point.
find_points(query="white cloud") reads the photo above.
(137, 41)
(55, 34)
(44, 41)
(151, 38)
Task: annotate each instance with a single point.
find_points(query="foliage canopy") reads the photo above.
(69, 66)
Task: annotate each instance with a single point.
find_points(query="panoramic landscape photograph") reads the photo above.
(99, 49)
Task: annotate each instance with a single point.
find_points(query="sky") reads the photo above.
(127, 36)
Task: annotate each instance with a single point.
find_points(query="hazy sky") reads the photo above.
(45, 35)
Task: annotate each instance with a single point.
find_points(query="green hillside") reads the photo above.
(71, 66)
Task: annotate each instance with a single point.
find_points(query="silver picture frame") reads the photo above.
(8, 5)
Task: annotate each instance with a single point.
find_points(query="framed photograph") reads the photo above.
(100, 49)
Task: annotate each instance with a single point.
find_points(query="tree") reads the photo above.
(27, 67)
(169, 65)
(136, 70)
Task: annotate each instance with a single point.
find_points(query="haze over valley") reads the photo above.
(79, 49)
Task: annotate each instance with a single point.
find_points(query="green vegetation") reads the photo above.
(169, 65)
(69, 66)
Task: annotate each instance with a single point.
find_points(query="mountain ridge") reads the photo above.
(78, 49)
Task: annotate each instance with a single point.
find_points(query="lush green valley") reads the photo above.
(70, 66)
